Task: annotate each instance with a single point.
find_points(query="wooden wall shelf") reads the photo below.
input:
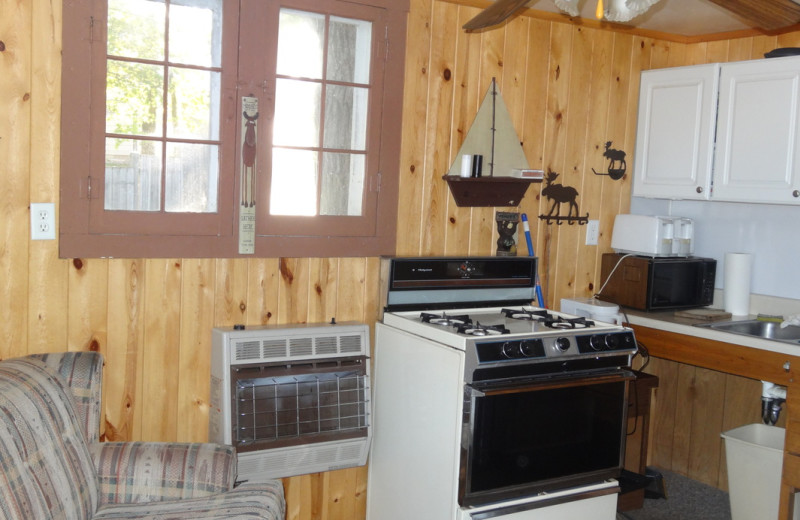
(487, 191)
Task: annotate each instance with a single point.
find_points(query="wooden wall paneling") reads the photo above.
(466, 100)
(628, 90)
(15, 150)
(349, 298)
(88, 304)
(555, 147)
(198, 304)
(483, 226)
(696, 54)
(685, 398)
(437, 127)
(160, 368)
(762, 44)
(231, 280)
(740, 49)
(293, 291)
(47, 282)
(742, 403)
(586, 102)
(262, 290)
(708, 407)
(533, 131)
(415, 107)
(717, 52)
(124, 350)
(323, 286)
(791, 39)
(664, 412)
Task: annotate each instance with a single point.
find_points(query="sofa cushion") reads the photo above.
(45, 467)
(252, 500)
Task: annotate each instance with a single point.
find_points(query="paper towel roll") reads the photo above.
(738, 267)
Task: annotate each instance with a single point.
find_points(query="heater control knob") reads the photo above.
(562, 344)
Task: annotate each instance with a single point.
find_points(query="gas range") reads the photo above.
(520, 336)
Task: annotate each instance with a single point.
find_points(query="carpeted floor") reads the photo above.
(686, 499)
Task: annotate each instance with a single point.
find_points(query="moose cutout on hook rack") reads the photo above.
(616, 163)
(560, 194)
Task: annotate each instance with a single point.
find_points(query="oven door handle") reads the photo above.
(563, 381)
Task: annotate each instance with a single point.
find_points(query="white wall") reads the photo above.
(770, 232)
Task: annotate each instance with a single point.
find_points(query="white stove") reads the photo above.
(488, 407)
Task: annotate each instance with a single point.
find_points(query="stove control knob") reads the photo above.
(528, 347)
(598, 342)
(511, 349)
(612, 340)
(562, 344)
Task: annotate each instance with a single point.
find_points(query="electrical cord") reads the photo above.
(623, 257)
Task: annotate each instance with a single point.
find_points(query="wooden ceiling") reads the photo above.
(767, 15)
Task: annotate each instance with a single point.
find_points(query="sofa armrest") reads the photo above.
(154, 471)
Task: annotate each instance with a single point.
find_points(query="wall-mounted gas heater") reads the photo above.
(292, 399)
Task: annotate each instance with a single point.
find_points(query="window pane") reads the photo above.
(134, 94)
(349, 45)
(342, 184)
(192, 178)
(346, 117)
(300, 43)
(195, 32)
(132, 175)
(294, 182)
(193, 104)
(136, 29)
(297, 112)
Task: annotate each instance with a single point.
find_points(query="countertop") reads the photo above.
(666, 321)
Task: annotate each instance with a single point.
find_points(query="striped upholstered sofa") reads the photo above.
(52, 465)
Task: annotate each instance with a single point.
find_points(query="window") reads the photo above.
(218, 128)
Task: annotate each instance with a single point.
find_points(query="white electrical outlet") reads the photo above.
(592, 232)
(43, 221)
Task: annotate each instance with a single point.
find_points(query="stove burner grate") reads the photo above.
(444, 320)
(481, 330)
(526, 315)
(568, 323)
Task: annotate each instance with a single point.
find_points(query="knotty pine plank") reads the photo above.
(15, 150)
(415, 106)
(437, 128)
(262, 291)
(324, 284)
(293, 290)
(708, 406)
(47, 282)
(198, 297)
(230, 292)
(160, 367)
(122, 389)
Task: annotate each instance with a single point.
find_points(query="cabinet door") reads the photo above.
(758, 144)
(675, 133)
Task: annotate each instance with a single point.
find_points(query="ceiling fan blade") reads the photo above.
(769, 15)
(495, 14)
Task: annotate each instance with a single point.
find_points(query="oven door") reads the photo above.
(519, 439)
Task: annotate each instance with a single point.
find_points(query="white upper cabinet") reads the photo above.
(675, 133)
(757, 156)
(726, 132)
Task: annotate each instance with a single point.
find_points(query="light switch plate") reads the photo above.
(592, 232)
(43, 221)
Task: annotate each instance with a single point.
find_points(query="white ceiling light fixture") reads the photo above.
(610, 10)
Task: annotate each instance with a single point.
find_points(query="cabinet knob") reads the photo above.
(787, 366)
(699, 189)
(796, 193)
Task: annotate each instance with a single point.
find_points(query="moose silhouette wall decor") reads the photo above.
(616, 162)
(560, 194)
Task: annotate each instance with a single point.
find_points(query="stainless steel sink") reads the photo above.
(757, 329)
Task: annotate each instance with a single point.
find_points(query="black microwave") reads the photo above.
(657, 283)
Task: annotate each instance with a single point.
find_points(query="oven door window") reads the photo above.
(543, 438)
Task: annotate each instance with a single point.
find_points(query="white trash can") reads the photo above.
(754, 454)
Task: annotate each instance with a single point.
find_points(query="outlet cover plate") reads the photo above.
(43, 221)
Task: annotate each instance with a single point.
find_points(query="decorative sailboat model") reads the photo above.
(506, 175)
